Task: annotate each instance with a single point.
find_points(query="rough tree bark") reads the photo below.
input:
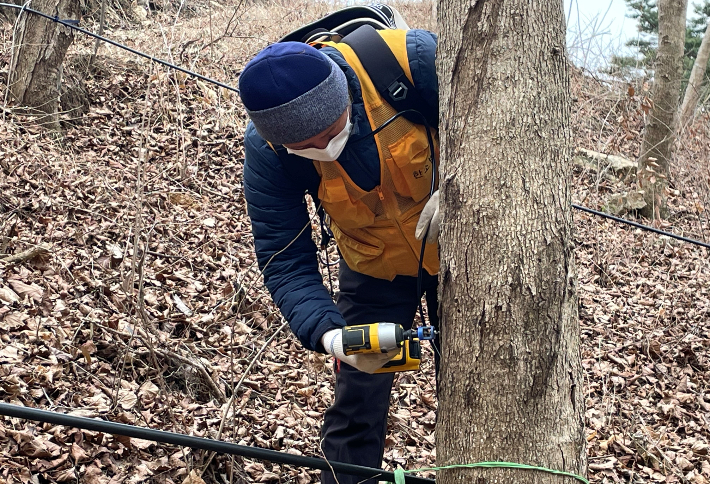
(40, 47)
(511, 375)
(657, 146)
(692, 92)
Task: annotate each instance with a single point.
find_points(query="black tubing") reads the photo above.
(162, 436)
(72, 24)
(641, 226)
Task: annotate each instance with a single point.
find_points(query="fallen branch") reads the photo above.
(200, 368)
(38, 251)
(617, 164)
(584, 165)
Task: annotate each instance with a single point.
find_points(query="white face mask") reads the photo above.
(330, 152)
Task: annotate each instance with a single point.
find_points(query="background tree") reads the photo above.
(646, 14)
(695, 82)
(38, 77)
(657, 146)
(39, 49)
(645, 45)
(511, 376)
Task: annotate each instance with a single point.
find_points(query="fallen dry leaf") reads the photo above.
(142, 199)
(7, 295)
(127, 399)
(193, 478)
(33, 291)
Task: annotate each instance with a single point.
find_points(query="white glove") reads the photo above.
(369, 363)
(431, 218)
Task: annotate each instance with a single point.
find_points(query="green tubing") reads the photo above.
(399, 473)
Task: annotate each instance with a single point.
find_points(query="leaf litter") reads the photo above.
(149, 309)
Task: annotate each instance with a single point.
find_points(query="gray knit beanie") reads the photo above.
(292, 92)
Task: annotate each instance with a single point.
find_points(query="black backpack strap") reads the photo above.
(388, 76)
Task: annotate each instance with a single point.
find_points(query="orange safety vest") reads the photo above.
(375, 230)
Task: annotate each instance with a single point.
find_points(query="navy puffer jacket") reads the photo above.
(275, 185)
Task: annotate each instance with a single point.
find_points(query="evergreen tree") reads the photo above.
(646, 13)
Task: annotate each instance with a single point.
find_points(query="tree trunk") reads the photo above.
(692, 92)
(511, 386)
(40, 47)
(657, 146)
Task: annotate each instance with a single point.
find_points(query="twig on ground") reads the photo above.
(238, 385)
(219, 395)
(136, 265)
(102, 22)
(38, 251)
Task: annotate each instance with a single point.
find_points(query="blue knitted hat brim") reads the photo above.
(307, 115)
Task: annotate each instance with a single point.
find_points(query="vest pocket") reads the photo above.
(413, 169)
(347, 212)
(363, 254)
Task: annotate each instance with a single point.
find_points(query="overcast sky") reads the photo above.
(607, 14)
(598, 28)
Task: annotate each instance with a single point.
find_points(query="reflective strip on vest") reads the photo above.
(375, 230)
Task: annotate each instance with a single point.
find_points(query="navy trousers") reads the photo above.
(354, 427)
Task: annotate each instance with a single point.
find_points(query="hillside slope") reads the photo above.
(134, 294)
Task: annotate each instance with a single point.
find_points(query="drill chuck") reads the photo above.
(422, 333)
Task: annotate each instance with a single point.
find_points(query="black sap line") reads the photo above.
(641, 226)
(202, 443)
(73, 24)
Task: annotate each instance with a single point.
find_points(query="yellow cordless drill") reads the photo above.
(385, 337)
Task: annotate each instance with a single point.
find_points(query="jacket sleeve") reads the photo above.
(421, 52)
(282, 238)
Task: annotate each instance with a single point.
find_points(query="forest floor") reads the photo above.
(135, 296)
